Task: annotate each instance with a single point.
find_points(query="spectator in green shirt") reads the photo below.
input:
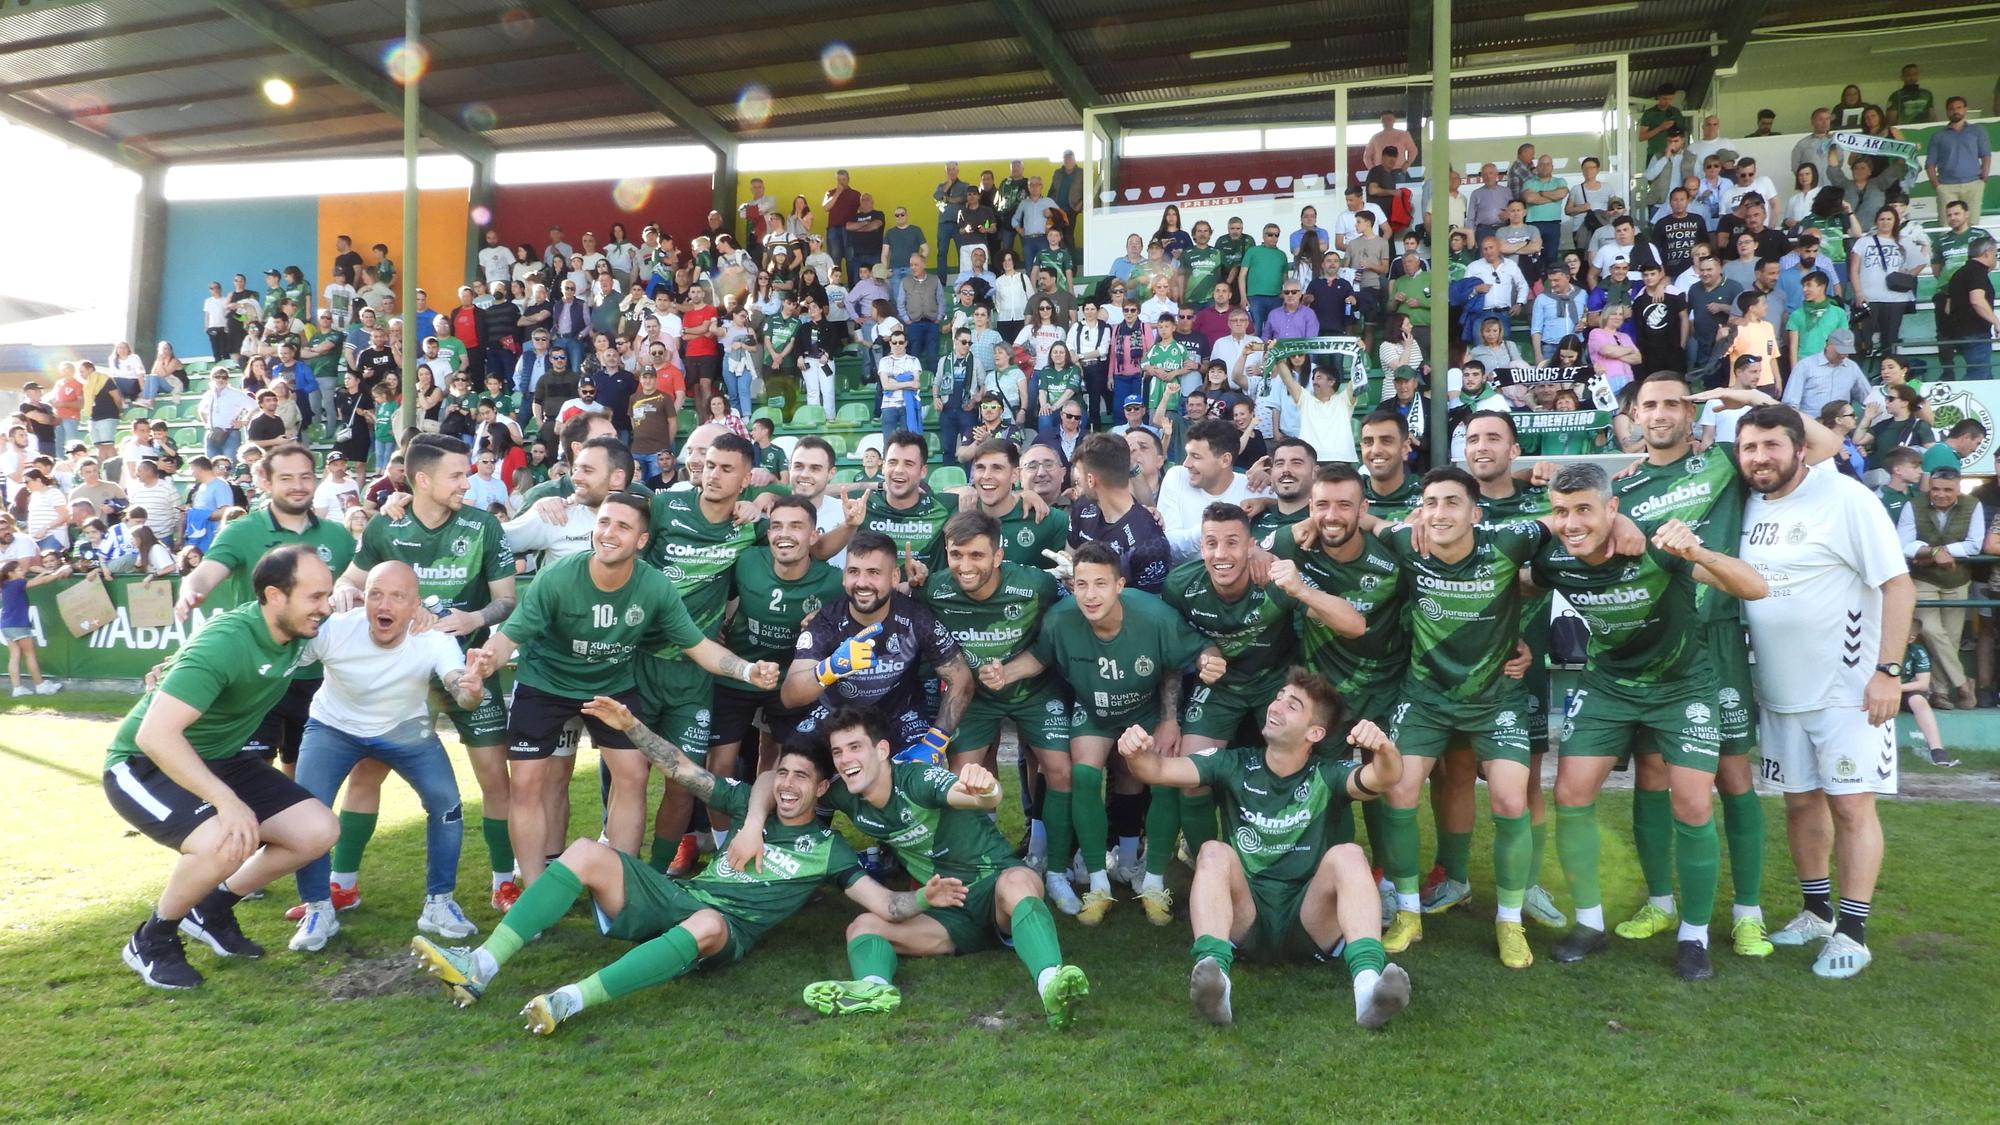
(1957, 445)
(1264, 267)
(1656, 123)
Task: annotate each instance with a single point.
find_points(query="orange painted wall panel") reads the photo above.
(378, 217)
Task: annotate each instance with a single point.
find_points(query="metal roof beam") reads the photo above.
(1744, 16)
(623, 64)
(300, 39)
(74, 135)
(1031, 25)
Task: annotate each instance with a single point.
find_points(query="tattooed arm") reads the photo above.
(957, 692)
(900, 906)
(676, 765)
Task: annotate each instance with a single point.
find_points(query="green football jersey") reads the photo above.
(1702, 490)
(578, 641)
(1053, 381)
(1060, 260)
(1375, 661)
(1530, 502)
(696, 554)
(797, 860)
(1204, 269)
(1466, 616)
(918, 529)
(928, 835)
(779, 332)
(1254, 632)
(1395, 503)
(1948, 251)
(999, 628)
(1265, 528)
(1117, 679)
(1232, 248)
(456, 562)
(1169, 355)
(1644, 631)
(232, 671)
(242, 542)
(562, 487)
(1279, 826)
(1022, 540)
(770, 609)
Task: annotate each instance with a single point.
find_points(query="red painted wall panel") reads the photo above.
(525, 212)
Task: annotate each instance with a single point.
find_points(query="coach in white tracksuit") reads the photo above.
(1829, 640)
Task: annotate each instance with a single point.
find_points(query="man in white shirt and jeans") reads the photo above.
(374, 704)
(1831, 636)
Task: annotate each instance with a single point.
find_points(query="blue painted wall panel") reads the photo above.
(208, 240)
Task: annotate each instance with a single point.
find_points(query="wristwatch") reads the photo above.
(1891, 669)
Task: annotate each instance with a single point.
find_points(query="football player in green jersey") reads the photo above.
(904, 509)
(1491, 447)
(774, 587)
(466, 576)
(1464, 628)
(1646, 683)
(1704, 490)
(1385, 453)
(1279, 885)
(681, 926)
(1290, 468)
(940, 824)
(1122, 653)
(1028, 525)
(1250, 637)
(1334, 555)
(696, 536)
(993, 609)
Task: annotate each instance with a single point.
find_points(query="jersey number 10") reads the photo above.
(603, 616)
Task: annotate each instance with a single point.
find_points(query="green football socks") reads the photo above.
(1086, 805)
(1511, 848)
(1057, 829)
(648, 964)
(871, 957)
(498, 845)
(1220, 949)
(1403, 845)
(539, 907)
(1034, 933)
(1197, 819)
(1454, 854)
(1743, 825)
(1697, 860)
(1577, 851)
(1653, 837)
(662, 856)
(356, 829)
(1363, 955)
(1163, 823)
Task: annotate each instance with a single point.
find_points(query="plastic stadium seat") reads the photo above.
(775, 414)
(946, 476)
(811, 414)
(786, 442)
(854, 412)
(847, 476)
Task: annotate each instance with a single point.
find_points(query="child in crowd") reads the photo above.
(17, 629)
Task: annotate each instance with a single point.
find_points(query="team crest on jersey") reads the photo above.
(810, 605)
(1696, 464)
(1143, 666)
(1054, 707)
(1698, 714)
(1303, 792)
(1506, 719)
(701, 718)
(1731, 698)
(325, 555)
(1194, 713)
(1569, 730)
(460, 545)
(1369, 582)
(803, 845)
(1796, 534)
(1430, 609)
(1014, 611)
(1845, 769)
(1025, 537)
(634, 615)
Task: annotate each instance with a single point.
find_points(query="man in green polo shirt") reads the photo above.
(223, 578)
(1264, 267)
(1232, 246)
(177, 770)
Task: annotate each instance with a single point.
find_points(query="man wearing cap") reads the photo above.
(222, 411)
(584, 402)
(1828, 376)
(338, 491)
(1134, 411)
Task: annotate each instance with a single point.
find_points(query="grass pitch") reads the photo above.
(357, 1034)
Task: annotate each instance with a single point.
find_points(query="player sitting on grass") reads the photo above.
(1279, 886)
(681, 926)
(938, 823)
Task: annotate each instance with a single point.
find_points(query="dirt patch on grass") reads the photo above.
(1928, 945)
(366, 977)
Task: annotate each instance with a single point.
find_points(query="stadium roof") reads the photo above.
(170, 81)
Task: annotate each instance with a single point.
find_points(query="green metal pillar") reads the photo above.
(406, 417)
(1437, 162)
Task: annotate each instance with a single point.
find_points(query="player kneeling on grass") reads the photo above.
(681, 925)
(938, 823)
(1279, 886)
